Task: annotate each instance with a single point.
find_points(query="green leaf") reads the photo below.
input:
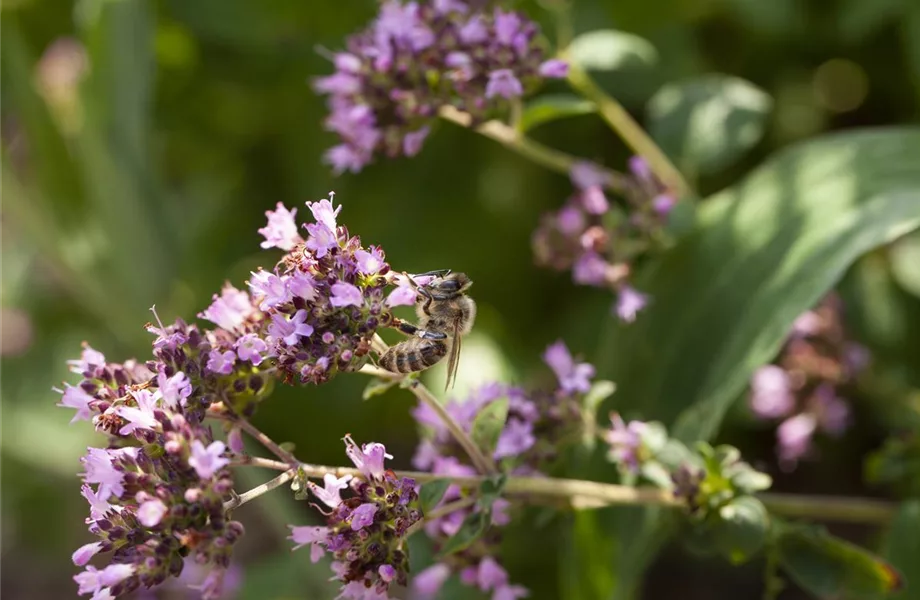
(491, 490)
(902, 547)
(706, 123)
(600, 391)
(742, 529)
(553, 107)
(828, 566)
(431, 493)
(763, 252)
(471, 530)
(376, 387)
(610, 50)
(488, 424)
(905, 262)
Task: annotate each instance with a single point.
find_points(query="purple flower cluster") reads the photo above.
(156, 493)
(802, 386)
(598, 240)
(535, 429)
(314, 313)
(417, 57)
(366, 533)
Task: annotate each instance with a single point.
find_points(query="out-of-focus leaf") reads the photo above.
(488, 424)
(830, 567)
(905, 262)
(763, 252)
(902, 547)
(857, 20)
(910, 39)
(431, 493)
(600, 391)
(777, 17)
(708, 122)
(609, 50)
(742, 528)
(552, 107)
(471, 530)
(491, 490)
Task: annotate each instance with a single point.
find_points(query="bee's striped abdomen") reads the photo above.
(413, 355)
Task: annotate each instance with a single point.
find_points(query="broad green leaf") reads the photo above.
(488, 424)
(828, 566)
(905, 262)
(472, 528)
(600, 391)
(706, 123)
(857, 20)
(431, 493)
(609, 50)
(902, 547)
(553, 107)
(763, 252)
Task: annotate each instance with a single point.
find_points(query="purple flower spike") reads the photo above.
(208, 461)
(771, 393)
(281, 231)
(429, 582)
(363, 516)
(346, 294)
(554, 69)
(370, 263)
(368, 458)
(404, 295)
(76, 397)
(324, 213)
(572, 376)
(329, 495)
(629, 303)
(516, 438)
(503, 83)
(321, 240)
(150, 513)
(221, 362)
(251, 347)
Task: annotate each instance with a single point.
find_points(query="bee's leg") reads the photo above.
(424, 292)
(410, 329)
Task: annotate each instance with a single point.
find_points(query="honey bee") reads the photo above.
(445, 314)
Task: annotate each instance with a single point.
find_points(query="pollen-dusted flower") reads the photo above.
(366, 532)
(417, 57)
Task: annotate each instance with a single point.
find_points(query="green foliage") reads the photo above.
(902, 547)
(705, 124)
(431, 493)
(474, 525)
(488, 424)
(828, 566)
(552, 107)
(610, 50)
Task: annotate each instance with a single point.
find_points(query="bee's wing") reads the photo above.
(453, 359)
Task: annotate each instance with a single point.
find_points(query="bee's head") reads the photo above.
(450, 285)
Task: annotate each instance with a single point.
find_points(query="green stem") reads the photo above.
(255, 492)
(583, 494)
(483, 463)
(629, 130)
(513, 139)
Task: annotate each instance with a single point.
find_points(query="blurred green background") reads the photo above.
(143, 142)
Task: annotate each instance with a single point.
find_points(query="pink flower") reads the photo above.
(363, 516)
(76, 397)
(316, 536)
(516, 437)
(230, 309)
(273, 289)
(281, 231)
(346, 294)
(771, 392)
(368, 458)
(150, 513)
(629, 303)
(141, 417)
(250, 348)
(324, 213)
(430, 581)
(371, 262)
(175, 389)
(221, 362)
(404, 295)
(88, 358)
(572, 376)
(554, 69)
(329, 495)
(207, 461)
(502, 82)
(85, 553)
(290, 330)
